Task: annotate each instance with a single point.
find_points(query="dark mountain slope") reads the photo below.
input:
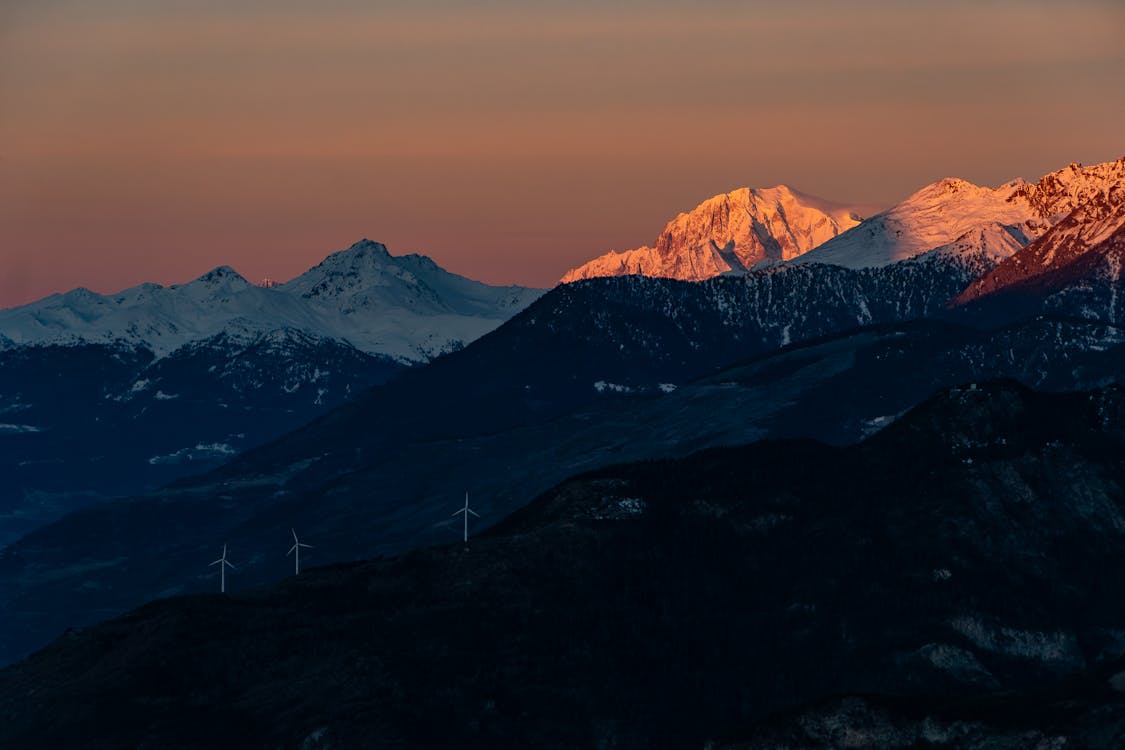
(839, 389)
(88, 422)
(968, 549)
(627, 331)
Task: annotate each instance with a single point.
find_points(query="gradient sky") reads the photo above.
(509, 140)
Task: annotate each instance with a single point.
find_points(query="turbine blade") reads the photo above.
(294, 534)
(290, 552)
(473, 512)
(229, 563)
(458, 512)
(302, 544)
(217, 562)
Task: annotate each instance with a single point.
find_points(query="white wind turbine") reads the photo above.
(223, 565)
(296, 551)
(467, 510)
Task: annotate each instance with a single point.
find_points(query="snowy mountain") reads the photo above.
(730, 233)
(1075, 266)
(939, 214)
(733, 233)
(977, 218)
(405, 307)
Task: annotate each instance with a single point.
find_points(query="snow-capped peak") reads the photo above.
(730, 233)
(406, 307)
(944, 211)
(219, 282)
(935, 216)
(364, 251)
(221, 275)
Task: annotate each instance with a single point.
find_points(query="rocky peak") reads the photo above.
(221, 275)
(1056, 194)
(362, 253)
(346, 271)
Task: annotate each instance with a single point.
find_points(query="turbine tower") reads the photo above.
(223, 565)
(467, 510)
(296, 551)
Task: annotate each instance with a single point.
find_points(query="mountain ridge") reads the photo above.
(716, 238)
(941, 211)
(405, 307)
(1086, 243)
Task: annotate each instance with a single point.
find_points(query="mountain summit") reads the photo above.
(730, 233)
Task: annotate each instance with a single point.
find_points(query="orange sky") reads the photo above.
(510, 141)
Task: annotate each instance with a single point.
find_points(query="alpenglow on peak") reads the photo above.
(730, 233)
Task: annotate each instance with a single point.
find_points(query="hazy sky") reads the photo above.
(509, 140)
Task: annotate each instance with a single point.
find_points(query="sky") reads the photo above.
(509, 140)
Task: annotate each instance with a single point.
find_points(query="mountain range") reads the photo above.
(735, 232)
(839, 342)
(406, 308)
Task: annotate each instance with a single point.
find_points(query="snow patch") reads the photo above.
(17, 429)
(958, 663)
(871, 426)
(619, 508)
(602, 386)
(201, 452)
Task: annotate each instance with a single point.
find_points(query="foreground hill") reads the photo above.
(964, 552)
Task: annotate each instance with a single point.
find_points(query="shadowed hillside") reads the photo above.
(966, 550)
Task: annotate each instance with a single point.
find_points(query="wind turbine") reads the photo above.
(296, 548)
(223, 564)
(467, 510)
